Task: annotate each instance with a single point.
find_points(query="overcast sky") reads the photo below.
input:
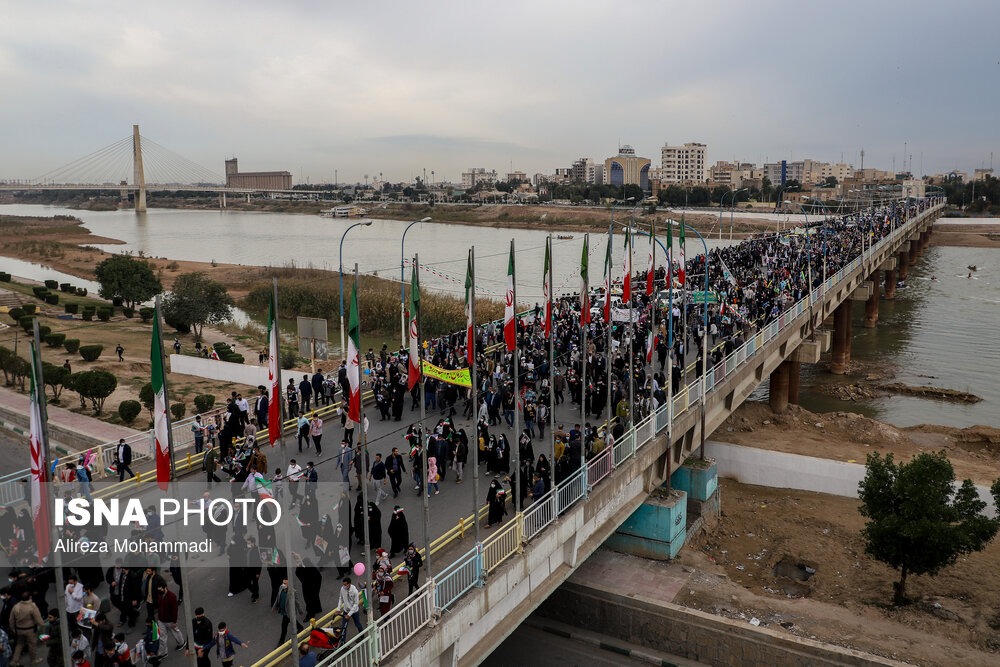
(398, 87)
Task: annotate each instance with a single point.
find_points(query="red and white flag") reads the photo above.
(38, 486)
(547, 292)
(650, 344)
(509, 324)
(627, 268)
(413, 370)
(650, 268)
(354, 360)
(585, 282)
(161, 420)
(273, 376)
(470, 296)
(607, 286)
(681, 268)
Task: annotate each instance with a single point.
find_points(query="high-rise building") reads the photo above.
(256, 180)
(476, 175)
(627, 169)
(683, 164)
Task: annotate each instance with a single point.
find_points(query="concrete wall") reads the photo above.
(63, 439)
(214, 369)
(794, 471)
(690, 633)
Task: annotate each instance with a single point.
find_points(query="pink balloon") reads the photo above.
(359, 569)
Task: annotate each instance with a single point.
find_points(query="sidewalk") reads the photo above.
(73, 430)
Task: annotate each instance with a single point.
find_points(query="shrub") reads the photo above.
(39, 291)
(4, 277)
(29, 308)
(16, 314)
(204, 402)
(52, 299)
(72, 345)
(91, 352)
(117, 301)
(43, 331)
(104, 314)
(26, 322)
(88, 315)
(177, 410)
(52, 284)
(95, 385)
(146, 313)
(90, 308)
(81, 291)
(72, 308)
(66, 287)
(128, 311)
(147, 397)
(55, 377)
(170, 319)
(233, 358)
(128, 410)
(55, 339)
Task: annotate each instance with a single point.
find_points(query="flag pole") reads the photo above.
(364, 452)
(166, 396)
(552, 366)
(670, 348)
(517, 392)
(470, 345)
(290, 594)
(609, 354)
(631, 329)
(424, 439)
(49, 498)
(585, 321)
(653, 301)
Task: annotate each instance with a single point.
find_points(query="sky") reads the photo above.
(319, 88)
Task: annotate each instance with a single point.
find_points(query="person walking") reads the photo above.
(260, 409)
(305, 392)
(414, 561)
(224, 642)
(303, 427)
(349, 604)
(316, 431)
(399, 532)
(166, 613)
(377, 478)
(395, 470)
(280, 607)
(432, 475)
(120, 351)
(198, 429)
(210, 463)
(201, 634)
(292, 475)
(26, 621)
(123, 459)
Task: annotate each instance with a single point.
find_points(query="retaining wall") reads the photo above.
(213, 369)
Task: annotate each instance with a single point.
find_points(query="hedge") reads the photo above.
(233, 358)
(128, 410)
(177, 410)
(43, 331)
(52, 284)
(91, 352)
(72, 308)
(72, 345)
(4, 277)
(90, 308)
(55, 339)
(28, 308)
(39, 291)
(117, 301)
(81, 291)
(66, 287)
(52, 299)
(88, 315)
(146, 313)
(104, 314)
(16, 313)
(204, 402)
(128, 311)
(26, 322)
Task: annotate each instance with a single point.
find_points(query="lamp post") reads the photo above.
(341, 275)
(732, 210)
(808, 263)
(611, 238)
(826, 214)
(402, 282)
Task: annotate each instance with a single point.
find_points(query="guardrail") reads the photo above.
(386, 634)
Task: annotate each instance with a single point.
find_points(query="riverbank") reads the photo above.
(966, 235)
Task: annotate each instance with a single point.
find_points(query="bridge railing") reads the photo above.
(397, 626)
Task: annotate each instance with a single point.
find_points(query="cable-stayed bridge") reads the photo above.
(135, 164)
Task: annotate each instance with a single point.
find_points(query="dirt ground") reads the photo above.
(848, 436)
(967, 235)
(846, 601)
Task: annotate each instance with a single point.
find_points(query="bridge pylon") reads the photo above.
(139, 177)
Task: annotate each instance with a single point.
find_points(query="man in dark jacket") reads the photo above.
(123, 459)
(317, 384)
(260, 410)
(305, 392)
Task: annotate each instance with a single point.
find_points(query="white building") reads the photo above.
(477, 175)
(680, 164)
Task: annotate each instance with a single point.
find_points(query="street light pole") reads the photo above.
(808, 264)
(340, 273)
(402, 282)
(732, 210)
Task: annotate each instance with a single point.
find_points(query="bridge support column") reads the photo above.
(913, 250)
(779, 388)
(850, 332)
(138, 174)
(794, 367)
(871, 305)
(841, 338)
(904, 265)
(890, 284)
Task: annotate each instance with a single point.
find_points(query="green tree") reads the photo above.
(128, 410)
(148, 398)
(918, 521)
(95, 386)
(196, 301)
(129, 278)
(55, 377)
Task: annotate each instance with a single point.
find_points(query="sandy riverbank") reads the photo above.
(967, 235)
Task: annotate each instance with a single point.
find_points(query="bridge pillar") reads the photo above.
(137, 172)
(850, 331)
(794, 367)
(904, 265)
(914, 246)
(779, 388)
(890, 284)
(841, 338)
(871, 305)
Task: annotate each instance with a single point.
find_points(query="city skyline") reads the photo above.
(342, 89)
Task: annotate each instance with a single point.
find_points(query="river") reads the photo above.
(937, 332)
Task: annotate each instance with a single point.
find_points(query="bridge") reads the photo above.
(137, 165)
(467, 608)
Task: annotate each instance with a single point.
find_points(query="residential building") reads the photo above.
(627, 168)
(516, 176)
(683, 164)
(256, 180)
(981, 174)
(476, 175)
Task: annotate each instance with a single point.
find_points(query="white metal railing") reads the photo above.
(539, 515)
(457, 578)
(501, 545)
(404, 621)
(599, 467)
(359, 651)
(571, 489)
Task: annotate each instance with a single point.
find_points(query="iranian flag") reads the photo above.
(353, 361)
(547, 292)
(649, 267)
(627, 268)
(681, 268)
(39, 501)
(470, 296)
(413, 370)
(670, 254)
(509, 325)
(650, 344)
(607, 285)
(161, 421)
(273, 376)
(584, 286)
